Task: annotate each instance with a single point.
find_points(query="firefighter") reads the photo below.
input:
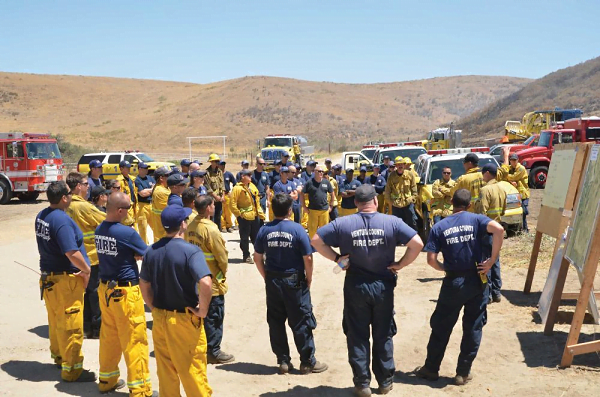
(215, 184)
(188, 197)
(492, 203)
(386, 164)
(333, 215)
(347, 189)
(87, 217)
(317, 200)
(287, 272)
(176, 285)
(123, 329)
(229, 181)
(260, 180)
(472, 180)
(245, 205)
(401, 193)
(185, 167)
(203, 233)
(197, 181)
(410, 166)
(309, 172)
(274, 177)
(378, 182)
(65, 272)
(287, 186)
(177, 184)
(441, 205)
(285, 159)
(144, 184)
(160, 197)
(128, 187)
(328, 166)
(517, 175)
(94, 177)
(245, 166)
(362, 175)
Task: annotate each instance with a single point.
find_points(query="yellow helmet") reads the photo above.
(213, 157)
(407, 160)
(399, 160)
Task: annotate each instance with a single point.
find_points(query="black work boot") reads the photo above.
(424, 373)
(317, 368)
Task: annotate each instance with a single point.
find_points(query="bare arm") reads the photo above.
(77, 260)
(308, 268)
(145, 192)
(432, 260)
(259, 260)
(413, 248)
(204, 297)
(497, 232)
(323, 249)
(147, 293)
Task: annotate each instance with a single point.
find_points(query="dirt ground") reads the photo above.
(515, 357)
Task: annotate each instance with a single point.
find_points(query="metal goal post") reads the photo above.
(190, 138)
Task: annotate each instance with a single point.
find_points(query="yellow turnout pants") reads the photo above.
(123, 332)
(316, 219)
(64, 304)
(381, 203)
(156, 224)
(226, 221)
(180, 348)
(347, 211)
(143, 218)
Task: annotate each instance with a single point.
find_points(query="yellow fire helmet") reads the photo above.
(399, 160)
(407, 160)
(213, 157)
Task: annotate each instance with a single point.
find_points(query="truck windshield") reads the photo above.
(144, 157)
(530, 139)
(369, 153)
(456, 165)
(404, 152)
(545, 139)
(279, 142)
(43, 150)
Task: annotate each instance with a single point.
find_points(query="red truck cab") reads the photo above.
(537, 159)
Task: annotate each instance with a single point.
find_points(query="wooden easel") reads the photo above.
(553, 221)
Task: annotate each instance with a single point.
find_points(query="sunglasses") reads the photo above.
(446, 173)
(84, 183)
(320, 171)
(260, 163)
(126, 208)
(116, 187)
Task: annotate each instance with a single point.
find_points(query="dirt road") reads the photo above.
(515, 357)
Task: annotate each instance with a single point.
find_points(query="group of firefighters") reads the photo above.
(92, 234)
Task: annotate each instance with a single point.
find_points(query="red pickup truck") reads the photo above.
(537, 159)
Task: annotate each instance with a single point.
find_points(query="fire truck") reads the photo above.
(28, 163)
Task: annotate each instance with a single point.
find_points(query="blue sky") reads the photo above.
(339, 41)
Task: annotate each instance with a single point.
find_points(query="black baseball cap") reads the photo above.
(491, 168)
(162, 171)
(185, 163)
(125, 164)
(97, 191)
(143, 165)
(311, 163)
(513, 156)
(364, 193)
(198, 174)
(471, 158)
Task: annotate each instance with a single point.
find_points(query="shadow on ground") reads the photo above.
(429, 279)
(540, 350)
(249, 368)
(41, 331)
(409, 378)
(518, 298)
(303, 391)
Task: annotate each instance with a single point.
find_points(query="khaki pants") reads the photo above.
(143, 219)
(226, 221)
(347, 211)
(316, 219)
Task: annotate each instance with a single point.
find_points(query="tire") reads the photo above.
(539, 176)
(29, 196)
(6, 193)
(424, 226)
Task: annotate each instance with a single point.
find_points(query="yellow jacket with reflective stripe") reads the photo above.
(204, 234)
(401, 190)
(472, 181)
(125, 187)
(336, 190)
(517, 176)
(160, 197)
(88, 218)
(245, 202)
(493, 201)
(441, 205)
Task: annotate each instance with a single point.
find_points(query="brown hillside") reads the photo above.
(573, 87)
(111, 113)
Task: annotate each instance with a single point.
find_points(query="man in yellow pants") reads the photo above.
(128, 187)
(246, 207)
(229, 179)
(65, 272)
(144, 184)
(123, 329)
(318, 192)
(203, 233)
(160, 197)
(87, 217)
(177, 286)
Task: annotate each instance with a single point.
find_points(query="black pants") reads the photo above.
(407, 214)
(288, 298)
(297, 213)
(333, 214)
(91, 305)
(213, 325)
(218, 211)
(369, 309)
(248, 230)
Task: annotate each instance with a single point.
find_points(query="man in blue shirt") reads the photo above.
(177, 286)
(185, 167)
(378, 183)
(144, 184)
(309, 172)
(123, 330)
(285, 160)
(94, 177)
(287, 186)
(386, 163)
(288, 274)
(65, 270)
(177, 183)
(459, 237)
(362, 176)
(347, 189)
(260, 179)
(298, 185)
(238, 176)
(368, 240)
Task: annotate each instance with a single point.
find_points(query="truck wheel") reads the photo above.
(539, 175)
(29, 196)
(5, 192)
(424, 226)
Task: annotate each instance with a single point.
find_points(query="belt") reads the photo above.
(296, 273)
(131, 283)
(67, 272)
(455, 274)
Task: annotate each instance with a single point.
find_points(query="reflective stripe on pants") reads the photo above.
(180, 349)
(123, 332)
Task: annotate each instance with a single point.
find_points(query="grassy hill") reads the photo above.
(116, 114)
(573, 87)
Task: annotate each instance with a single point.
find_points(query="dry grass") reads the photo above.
(516, 251)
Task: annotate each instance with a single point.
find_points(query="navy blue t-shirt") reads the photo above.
(175, 200)
(117, 246)
(229, 181)
(56, 234)
(274, 177)
(174, 267)
(285, 243)
(261, 181)
(459, 238)
(146, 182)
(286, 188)
(305, 176)
(370, 239)
(378, 183)
(131, 189)
(202, 191)
(92, 183)
(348, 202)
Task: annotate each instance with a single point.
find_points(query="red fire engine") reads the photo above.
(28, 163)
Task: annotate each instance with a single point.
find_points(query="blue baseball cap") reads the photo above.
(284, 169)
(245, 162)
(386, 157)
(95, 164)
(173, 215)
(286, 154)
(177, 179)
(279, 162)
(491, 168)
(162, 171)
(327, 161)
(349, 170)
(198, 174)
(376, 166)
(143, 165)
(197, 162)
(311, 163)
(363, 169)
(185, 163)
(222, 162)
(125, 164)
